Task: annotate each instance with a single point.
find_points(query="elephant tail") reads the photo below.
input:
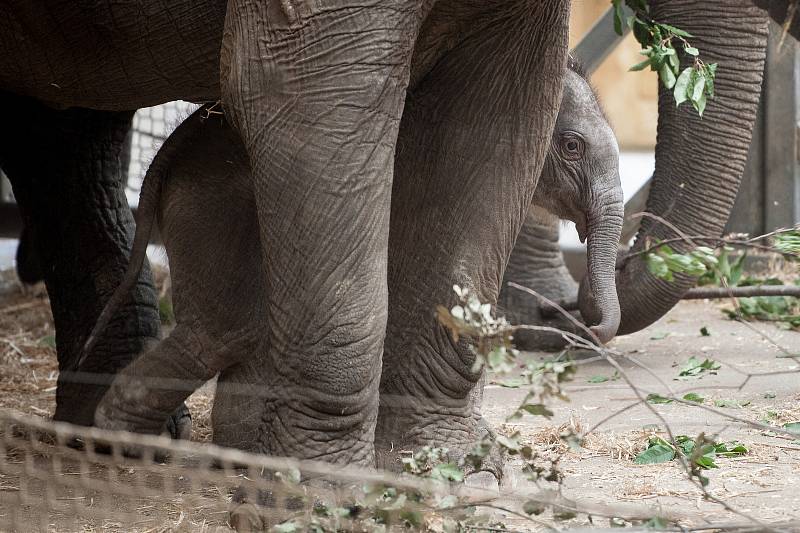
(149, 199)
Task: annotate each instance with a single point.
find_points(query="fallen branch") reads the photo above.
(712, 293)
(698, 293)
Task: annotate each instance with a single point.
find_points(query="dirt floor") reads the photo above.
(756, 382)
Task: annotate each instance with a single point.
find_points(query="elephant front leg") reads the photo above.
(471, 145)
(316, 91)
(67, 171)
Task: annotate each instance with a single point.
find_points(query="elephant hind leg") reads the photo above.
(159, 381)
(69, 182)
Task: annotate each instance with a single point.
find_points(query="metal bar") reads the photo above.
(600, 41)
(782, 176)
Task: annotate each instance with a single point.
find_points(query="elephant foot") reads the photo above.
(522, 308)
(392, 445)
(179, 424)
(246, 518)
(126, 408)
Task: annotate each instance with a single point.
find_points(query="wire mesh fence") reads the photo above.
(59, 477)
(151, 126)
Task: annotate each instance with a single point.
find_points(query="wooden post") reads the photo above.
(781, 177)
(769, 195)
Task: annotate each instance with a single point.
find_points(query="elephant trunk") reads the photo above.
(600, 304)
(699, 162)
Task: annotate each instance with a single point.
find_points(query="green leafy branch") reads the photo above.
(754, 299)
(694, 83)
(701, 451)
(492, 344)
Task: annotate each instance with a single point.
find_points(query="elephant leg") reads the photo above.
(66, 172)
(472, 143)
(316, 91)
(29, 267)
(537, 263)
(161, 379)
(216, 273)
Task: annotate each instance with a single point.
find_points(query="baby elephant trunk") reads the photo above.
(598, 300)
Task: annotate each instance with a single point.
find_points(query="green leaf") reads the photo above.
(657, 523)
(658, 453)
(641, 31)
(532, 507)
(537, 409)
(682, 86)
(674, 63)
(694, 367)
(685, 443)
(676, 31)
(641, 66)
(731, 404)
(711, 75)
(704, 332)
(730, 449)
(658, 399)
(598, 379)
(706, 461)
(700, 104)
(48, 340)
(447, 472)
(693, 397)
(794, 427)
(658, 336)
(698, 85)
(658, 267)
(691, 50)
(511, 383)
(619, 14)
(509, 443)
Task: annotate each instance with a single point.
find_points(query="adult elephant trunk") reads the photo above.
(604, 228)
(699, 162)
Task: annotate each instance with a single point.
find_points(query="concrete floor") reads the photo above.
(764, 483)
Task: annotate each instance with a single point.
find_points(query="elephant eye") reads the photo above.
(572, 146)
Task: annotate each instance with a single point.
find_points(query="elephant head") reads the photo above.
(699, 161)
(580, 182)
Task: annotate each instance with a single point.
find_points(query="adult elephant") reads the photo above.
(699, 164)
(323, 171)
(71, 76)
(316, 90)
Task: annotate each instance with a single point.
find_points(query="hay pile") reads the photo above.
(28, 365)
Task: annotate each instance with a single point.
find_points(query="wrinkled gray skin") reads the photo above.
(536, 261)
(699, 163)
(216, 267)
(316, 90)
(327, 152)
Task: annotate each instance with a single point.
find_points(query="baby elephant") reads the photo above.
(579, 182)
(200, 190)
